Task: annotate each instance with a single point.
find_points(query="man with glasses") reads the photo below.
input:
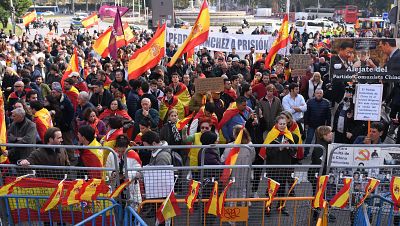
(18, 94)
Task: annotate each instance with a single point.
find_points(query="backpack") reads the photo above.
(176, 158)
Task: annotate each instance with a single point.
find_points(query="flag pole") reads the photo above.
(169, 195)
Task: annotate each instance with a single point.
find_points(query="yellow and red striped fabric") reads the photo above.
(231, 158)
(342, 197)
(90, 21)
(319, 195)
(54, 199)
(29, 18)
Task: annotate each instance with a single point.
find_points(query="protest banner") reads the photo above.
(364, 60)
(225, 42)
(299, 63)
(203, 85)
(368, 104)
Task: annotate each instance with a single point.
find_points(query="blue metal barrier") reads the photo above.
(131, 213)
(377, 213)
(26, 209)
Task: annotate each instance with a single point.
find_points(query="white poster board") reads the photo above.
(158, 183)
(368, 104)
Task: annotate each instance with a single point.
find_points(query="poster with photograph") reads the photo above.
(365, 59)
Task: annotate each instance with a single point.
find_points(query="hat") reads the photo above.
(235, 59)
(56, 86)
(73, 74)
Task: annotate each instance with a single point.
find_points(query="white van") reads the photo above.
(312, 26)
(81, 15)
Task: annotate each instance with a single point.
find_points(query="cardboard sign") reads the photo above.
(368, 105)
(300, 61)
(203, 85)
(235, 214)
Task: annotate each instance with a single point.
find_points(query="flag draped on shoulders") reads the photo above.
(43, 121)
(371, 186)
(168, 209)
(212, 206)
(29, 18)
(182, 94)
(91, 189)
(73, 66)
(71, 196)
(183, 122)
(273, 187)
(148, 56)
(93, 158)
(191, 196)
(198, 34)
(54, 199)
(320, 192)
(100, 46)
(232, 157)
(294, 128)
(271, 136)
(231, 112)
(280, 42)
(222, 197)
(341, 199)
(90, 21)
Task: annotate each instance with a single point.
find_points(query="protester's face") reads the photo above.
(328, 137)
(18, 105)
(296, 90)
(81, 139)
(228, 85)
(39, 80)
(205, 126)
(173, 117)
(33, 97)
(175, 78)
(92, 116)
(236, 82)
(145, 105)
(241, 106)
(265, 79)
(186, 79)
(319, 94)
(67, 86)
(374, 134)
(204, 60)
(119, 77)
(169, 95)
(143, 129)
(17, 117)
(249, 92)
(18, 87)
(281, 124)
(57, 140)
(114, 105)
(97, 89)
(160, 83)
(270, 93)
(153, 87)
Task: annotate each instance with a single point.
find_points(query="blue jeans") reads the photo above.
(309, 138)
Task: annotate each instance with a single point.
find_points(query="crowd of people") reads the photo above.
(99, 105)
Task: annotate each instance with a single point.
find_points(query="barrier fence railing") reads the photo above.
(131, 217)
(43, 180)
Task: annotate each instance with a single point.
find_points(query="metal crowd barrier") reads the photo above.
(248, 192)
(22, 205)
(131, 217)
(360, 161)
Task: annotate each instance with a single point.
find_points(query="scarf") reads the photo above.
(175, 132)
(94, 126)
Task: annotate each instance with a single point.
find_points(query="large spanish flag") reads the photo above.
(280, 42)
(100, 46)
(271, 136)
(29, 18)
(371, 186)
(71, 196)
(395, 190)
(342, 197)
(3, 129)
(212, 203)
(91, 189)
(73, 66)
(148, 56)
(54, 199)
(222, 197)
(168, 209)
(319, 195)
(90, 21)
(191, 196)
(232, 157)
(197, 36)
(273, 187)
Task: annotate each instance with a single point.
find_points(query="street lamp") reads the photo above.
(12, 16)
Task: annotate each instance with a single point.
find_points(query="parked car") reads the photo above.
(179, 23)
(76, 23)
(48, 13)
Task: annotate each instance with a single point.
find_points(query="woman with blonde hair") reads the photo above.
(246, 156)
(313, 84)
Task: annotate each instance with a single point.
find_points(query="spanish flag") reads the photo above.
(148, 56)
(71, 196)
(93, 158)
(280, 42)
(91, 189)
(371, 186)
(232, 157)
(294, 129)
(29, 18)
(273, 187)
(43, 121)
(183, 95)
(119, 189)
(271, 136)
(183, 122)
(191, 196)
(395, 190)
(296, 179)
(127, 37)
(8, 188)
(3, 129)
(222, 197)
(342, 197)
(90, 21)
(231, 112)
(54, 199)
(319, 195)
(212, 206)
(73, 66)
(197, 36)
(168, 209)
(100, 46)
